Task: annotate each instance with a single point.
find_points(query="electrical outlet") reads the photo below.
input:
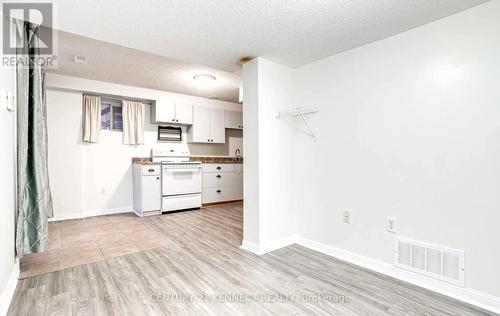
(346, 217)
(391, 224)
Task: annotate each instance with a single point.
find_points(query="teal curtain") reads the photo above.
(34, 202)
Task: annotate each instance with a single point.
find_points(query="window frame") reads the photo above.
(114, 104)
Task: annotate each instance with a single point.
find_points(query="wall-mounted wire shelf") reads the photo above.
(302, 113)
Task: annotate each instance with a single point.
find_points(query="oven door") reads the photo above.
(180, 179)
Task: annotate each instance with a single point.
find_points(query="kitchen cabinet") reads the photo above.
(184, 113)
(147, 189)
(208, 126)
(222, 182)
(234, 119)
(163, 112)
(238, 182)
(217, 126)
(199, 132)
(172, 112)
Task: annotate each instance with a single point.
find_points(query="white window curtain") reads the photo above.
(91, 118)
(133, 122)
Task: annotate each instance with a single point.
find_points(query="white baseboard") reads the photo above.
(9, 290)
(76, 215)
(250, 246)
(467, 295)
(272, 246)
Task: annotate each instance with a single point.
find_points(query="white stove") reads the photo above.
(181, 178)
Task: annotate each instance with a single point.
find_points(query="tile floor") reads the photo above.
(81, 241)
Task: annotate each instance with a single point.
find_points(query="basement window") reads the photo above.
(111, 115)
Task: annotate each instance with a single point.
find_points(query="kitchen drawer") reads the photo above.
(214, 167)
(211, 195)
(238, 167)
(217, 180)
(180, 202)
(151, 170)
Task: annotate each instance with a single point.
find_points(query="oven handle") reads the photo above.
(182, 168)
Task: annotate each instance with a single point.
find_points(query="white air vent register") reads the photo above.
(438, 262)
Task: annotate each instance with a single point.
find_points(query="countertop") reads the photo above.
(143, 161)
(203, 159)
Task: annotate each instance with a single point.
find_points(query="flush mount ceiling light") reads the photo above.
(204, 78)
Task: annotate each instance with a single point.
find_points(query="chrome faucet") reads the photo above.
(237, 155)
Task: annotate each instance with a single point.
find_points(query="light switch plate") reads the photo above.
(391, 224)
(11, 101)
(7, 100)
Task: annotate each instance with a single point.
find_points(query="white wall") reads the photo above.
(276, 146)
(268, 211)
(251, 218)
(7, 194)
(408, 127)
(89, 179)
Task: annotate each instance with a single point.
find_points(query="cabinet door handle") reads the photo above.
(151, 170)
(218, 168)
(177, 120)
(173, 120)
(218, 176)
(157, 178)
(218, 191)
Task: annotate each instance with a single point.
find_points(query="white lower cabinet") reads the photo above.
(218, 179)
(211, 195)
(147, 189)
(222, 182)
(238, 185)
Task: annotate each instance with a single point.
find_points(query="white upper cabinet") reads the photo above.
(172, 112)
(200, 131)
(208, 126)
(184, 113)
(217, 126)
(234, 119)
(163, 111)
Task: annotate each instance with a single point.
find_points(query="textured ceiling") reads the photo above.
(217, 33)
(118, 64)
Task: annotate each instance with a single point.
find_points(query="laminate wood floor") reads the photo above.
(201, 271)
